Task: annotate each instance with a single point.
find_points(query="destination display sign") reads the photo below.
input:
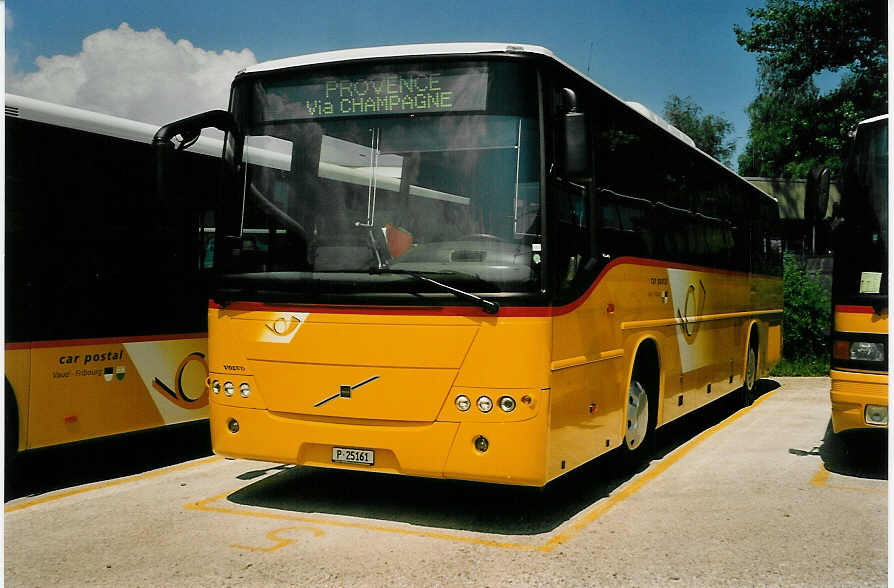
(394, 92)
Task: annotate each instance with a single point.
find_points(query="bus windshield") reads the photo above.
(862, 241)
(421, 167)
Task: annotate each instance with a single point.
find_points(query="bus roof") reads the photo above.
(430, 49)
(419, 50)
(95, 122)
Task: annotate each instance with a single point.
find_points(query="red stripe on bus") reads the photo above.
(103, 341)
(15, 346)
(843, 308)
(508, 311)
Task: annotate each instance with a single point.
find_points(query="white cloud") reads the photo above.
(141, 75)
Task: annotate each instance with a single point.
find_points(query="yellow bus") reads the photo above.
(470, 261)
(859, 363)
(105, 329)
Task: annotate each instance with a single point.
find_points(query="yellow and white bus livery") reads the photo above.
(470, 261)
(105, 329)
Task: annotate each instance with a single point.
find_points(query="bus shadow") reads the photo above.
(859, 453)
(54, 468)
(467, 506)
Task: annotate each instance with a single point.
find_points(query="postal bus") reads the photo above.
(470, 261)
(859, 373)
(105, 329)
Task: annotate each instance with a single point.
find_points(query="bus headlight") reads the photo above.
(507, 403)
(229, 388)
(463, 403)
(244, 389)
(215, 385)
(876, 415)
(858, 351)
(865, 351)
(485, 404)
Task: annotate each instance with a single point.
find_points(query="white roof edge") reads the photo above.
(873, 119)
(418, 50)
(660, 121)
(96, 122)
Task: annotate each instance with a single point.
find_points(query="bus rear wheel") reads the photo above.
(750, 383)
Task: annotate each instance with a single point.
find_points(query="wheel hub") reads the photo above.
(637, 415)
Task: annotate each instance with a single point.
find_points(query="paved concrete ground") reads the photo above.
(763, 496)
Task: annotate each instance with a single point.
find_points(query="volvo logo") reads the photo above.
(345, 391)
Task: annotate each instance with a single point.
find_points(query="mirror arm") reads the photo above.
(191, 127)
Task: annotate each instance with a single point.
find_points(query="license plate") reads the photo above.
(355, 456)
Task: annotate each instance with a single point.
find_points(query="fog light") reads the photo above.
(876, 415)
(485, 404)
(215, 385)
(233, 425)
(507, 403)
(229, 388)
(463, 403)
(244, 389)
(481, 443)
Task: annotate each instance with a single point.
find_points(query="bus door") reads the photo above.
(584, 333)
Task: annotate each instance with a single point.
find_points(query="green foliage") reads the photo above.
(796, 39)
(793, 127)
(709, 132)
(807, 313)
(814, 366)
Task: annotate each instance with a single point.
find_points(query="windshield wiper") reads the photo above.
(487, 306)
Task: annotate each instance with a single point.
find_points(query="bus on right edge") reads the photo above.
(859, 366)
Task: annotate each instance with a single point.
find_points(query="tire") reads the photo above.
(639, 435)
(11, 437)
(749, 383)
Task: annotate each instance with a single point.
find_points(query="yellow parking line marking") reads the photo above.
(561, 537)
(821, 478)
(281, 541)
(116, 482)
(205, 505)
(653, 472)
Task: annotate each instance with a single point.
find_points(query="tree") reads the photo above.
(709, 132)
(793, 126)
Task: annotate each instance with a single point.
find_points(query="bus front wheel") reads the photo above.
(637, 416)
(639, 436)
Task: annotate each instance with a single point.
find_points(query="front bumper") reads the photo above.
(515, 455)
(851, 393)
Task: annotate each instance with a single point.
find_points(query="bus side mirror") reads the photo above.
(573, 144)
(189, 129)
(816, 198)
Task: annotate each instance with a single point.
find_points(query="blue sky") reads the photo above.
(641, 50)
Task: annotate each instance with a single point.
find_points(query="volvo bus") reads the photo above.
(859, 365)
(105, 328)
(470, 261)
